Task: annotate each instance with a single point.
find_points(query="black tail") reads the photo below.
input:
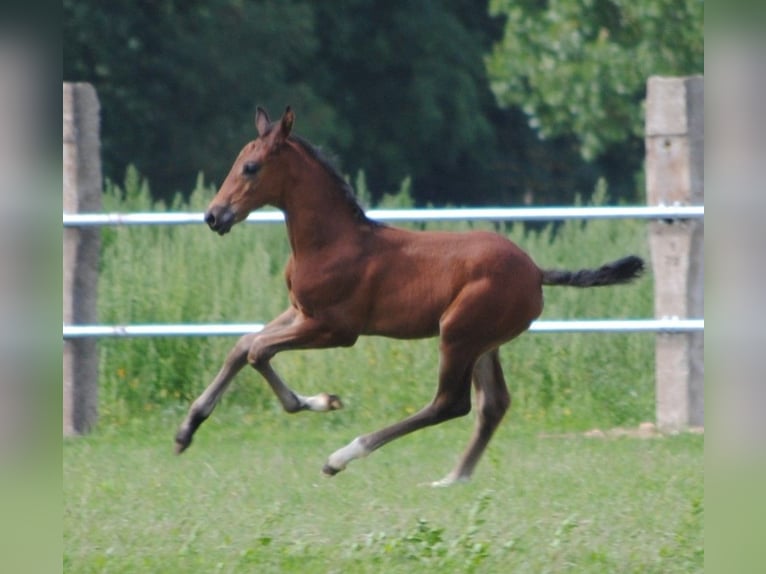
(621, 271)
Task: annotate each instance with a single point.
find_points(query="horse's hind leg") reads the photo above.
(453, 399)
(492, 402)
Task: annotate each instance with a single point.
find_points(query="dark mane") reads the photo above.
(348, 192)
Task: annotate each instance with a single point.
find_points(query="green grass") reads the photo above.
(248, 497)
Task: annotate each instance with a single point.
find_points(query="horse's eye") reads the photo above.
(250, 168)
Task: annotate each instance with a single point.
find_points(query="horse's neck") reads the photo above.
(317, 215)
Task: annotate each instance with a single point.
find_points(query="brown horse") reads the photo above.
(350, 276)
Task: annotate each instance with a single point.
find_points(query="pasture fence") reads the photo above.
(676, 214)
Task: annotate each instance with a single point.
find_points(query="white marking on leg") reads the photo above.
(341, 457)
(321, 403)
(450, 480)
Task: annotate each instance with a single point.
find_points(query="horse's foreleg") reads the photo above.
(235, 360)
(205, 403)
(290, 330)
(492, 402)
(293, 402)
(299, 333)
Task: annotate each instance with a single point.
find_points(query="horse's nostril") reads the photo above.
(220, 219)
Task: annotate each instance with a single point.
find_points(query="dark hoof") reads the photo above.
(186, 431)
(334, 403)
(327, 470)
(182, 443)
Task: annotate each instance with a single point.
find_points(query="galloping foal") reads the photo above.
(349, 276)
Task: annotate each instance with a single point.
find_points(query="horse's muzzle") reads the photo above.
(219, 219)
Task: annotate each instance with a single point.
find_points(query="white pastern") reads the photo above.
(341, 457)
(319, 403)
(322, 402)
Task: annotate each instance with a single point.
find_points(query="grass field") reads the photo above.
(248, 497)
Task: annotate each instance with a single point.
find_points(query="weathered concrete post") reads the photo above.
(82, 193)
(675, 175)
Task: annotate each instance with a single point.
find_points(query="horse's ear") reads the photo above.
(285, 126)
(262, 121)
(287, 122)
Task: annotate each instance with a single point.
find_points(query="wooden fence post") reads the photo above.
(675, 175)
(82, 193)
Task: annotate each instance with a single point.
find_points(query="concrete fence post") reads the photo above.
(675, 175)
(82, 193)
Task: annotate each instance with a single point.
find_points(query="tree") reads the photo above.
(408, 82)
(179, 80)
(579, 67)
(395, 88)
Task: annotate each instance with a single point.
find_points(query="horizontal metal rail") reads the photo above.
(186, 330)
(663, 212)
(666, 212)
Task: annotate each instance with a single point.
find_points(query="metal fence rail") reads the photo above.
(661, 212)
(574, 326)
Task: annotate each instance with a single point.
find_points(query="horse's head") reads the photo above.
(251, 183)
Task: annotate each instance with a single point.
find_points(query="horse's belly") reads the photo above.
(405, 313)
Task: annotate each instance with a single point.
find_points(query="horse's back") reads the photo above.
(416, 277)
(460, 257)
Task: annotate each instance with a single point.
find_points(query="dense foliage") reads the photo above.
(396, 88)
(580, 67)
